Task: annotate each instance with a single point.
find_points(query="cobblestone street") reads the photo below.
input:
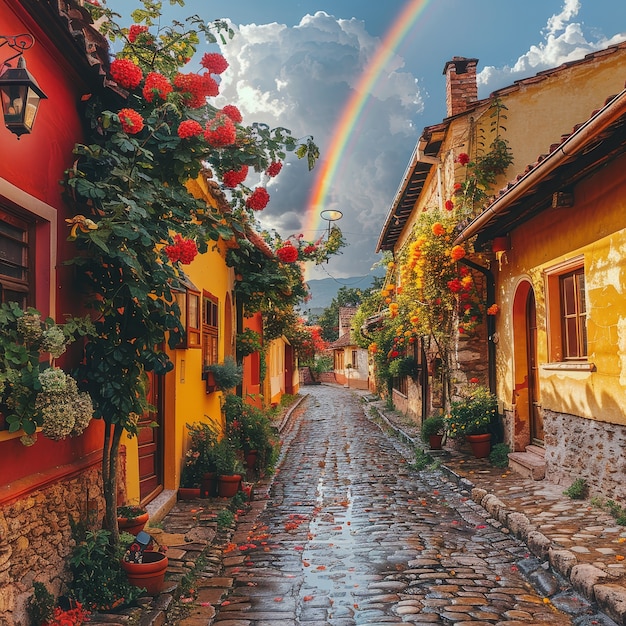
(351, 534)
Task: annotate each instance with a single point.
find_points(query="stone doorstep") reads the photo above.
(531, 463)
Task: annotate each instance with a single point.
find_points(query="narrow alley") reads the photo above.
(351, 534)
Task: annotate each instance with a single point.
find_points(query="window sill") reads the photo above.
(570, 366)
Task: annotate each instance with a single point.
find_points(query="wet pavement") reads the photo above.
(347, 532)
(351, 534)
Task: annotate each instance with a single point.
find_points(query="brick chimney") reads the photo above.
(461, 86)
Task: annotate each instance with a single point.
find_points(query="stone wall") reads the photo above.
(582, 448)
(36, 538)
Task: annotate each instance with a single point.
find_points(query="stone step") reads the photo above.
(530, 463)
(538, 450)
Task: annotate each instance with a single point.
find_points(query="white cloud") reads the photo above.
(302, 78)
(564, 40)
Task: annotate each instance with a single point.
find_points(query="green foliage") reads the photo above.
(422, 459)
(130, 511)
(433, 425)
(225, 519)
(403, 366)
(247, 342)
(473, 414)
(41, 605)
(227, 462)
(579, 490)
(499, 455)
(200, 457)
(228, 374)
(33, 391)
(483, 170)
(98, 581)
(329, 319)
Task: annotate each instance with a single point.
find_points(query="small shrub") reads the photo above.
(225, 519)
(41, 605)
(422, 459)
(499, 455)
(577, 490)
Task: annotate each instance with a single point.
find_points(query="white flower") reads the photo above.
(53, 380)
(54, 341)
(29, 326)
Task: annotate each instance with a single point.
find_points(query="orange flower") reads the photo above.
(457, 253)
(493, 309)
(438, 229)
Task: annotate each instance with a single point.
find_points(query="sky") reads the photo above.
(364, 78)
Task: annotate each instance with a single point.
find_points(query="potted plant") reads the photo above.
(226, 374)
(131, 518)
(145, 567)
(228, 467)
(199, 469)
(470, 417)
(433, 430)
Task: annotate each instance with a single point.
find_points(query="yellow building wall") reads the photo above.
(184, 392)
(594, 229)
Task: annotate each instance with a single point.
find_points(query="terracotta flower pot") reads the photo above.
(228, 485)
(132, 525)
(188, 493)
(434, 441)
(208, 486)
(480, 444)
(150, 574)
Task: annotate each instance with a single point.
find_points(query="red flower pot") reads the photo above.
(150, 574)
(434, 441)
(132, 525)
(480, 444)
(188, 493)
(228, 485)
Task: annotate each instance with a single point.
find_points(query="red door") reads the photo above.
(150, 443)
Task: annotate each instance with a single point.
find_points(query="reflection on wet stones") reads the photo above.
(352, 535)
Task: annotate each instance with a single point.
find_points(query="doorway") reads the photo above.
(150, 442)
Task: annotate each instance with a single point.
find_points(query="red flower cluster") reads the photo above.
(288, 253)
(310, 249)
(195, 88)
(131, 121)
(449, 205)
(215, 63)
(183, 250)
(232, 178)
(135, 30)
(258, 200)
(455, 285)
(125, 73)
(189, 128)
(233, 112)
(463, 158)
(156, 85)
(274, 169)
(220, 131)
(71, 617)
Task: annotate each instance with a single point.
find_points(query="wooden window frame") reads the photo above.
(555, 314)
(14, 284)
(210, 329)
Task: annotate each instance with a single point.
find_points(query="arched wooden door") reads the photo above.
(528, 420)
(150, 443)
(536, 419)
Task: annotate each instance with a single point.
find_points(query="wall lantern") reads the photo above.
(499, 246)
(19, 92)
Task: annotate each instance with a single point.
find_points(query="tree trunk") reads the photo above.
(109, 478)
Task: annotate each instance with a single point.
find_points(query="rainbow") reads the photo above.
(353, 111)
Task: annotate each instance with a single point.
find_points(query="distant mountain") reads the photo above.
(324, 290)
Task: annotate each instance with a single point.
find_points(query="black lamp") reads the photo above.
(19, 92)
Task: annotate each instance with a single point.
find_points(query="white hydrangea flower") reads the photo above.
(53, 380)
(29, 326)
(54, 341)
